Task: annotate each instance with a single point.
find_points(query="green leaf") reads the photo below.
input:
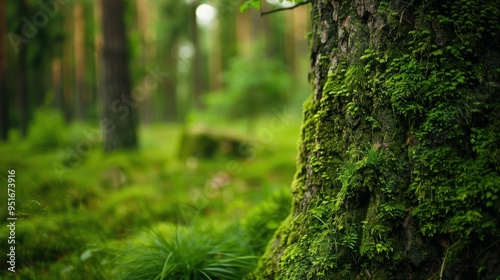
(250, 4)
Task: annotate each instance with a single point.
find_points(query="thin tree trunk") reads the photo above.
(169, 109)
(22, 106)
(215, 61)
(57, 87)
(4, 96)
(22, 97)
(228, 45)
(398, 171)
(198, 79)
(244, 34)
(290, 47)
(143, 20)
(68, 75)
(80, 67)
(118, 107)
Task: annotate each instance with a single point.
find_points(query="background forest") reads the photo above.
(216, 99)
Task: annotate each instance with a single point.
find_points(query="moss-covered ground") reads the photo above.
(80, 211)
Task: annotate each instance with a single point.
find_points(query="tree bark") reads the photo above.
(118, 106)
(4, 97)
(399, 164)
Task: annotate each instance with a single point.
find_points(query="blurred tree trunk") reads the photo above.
(143, 24)
(198, 79)
(22, 97)
(244, 33)
(80, 67)
(4, 97)
(228, 44)
(119, 116)
(214, 61)
(399, 168)
(68, 74)
(22, 104)
(57, 86)
(290, 48)
(170, 111)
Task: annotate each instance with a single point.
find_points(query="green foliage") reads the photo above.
(133, 207)
(202, 142)
(256, 4)
(174, 252)
(47, 131)
(262, 221)
(254, 85)
(250, 4)
(66, 224)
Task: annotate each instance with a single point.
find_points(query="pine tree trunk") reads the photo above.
(4, 97)
(398, 175)
(119, 117)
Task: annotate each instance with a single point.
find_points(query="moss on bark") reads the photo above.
(399, 169)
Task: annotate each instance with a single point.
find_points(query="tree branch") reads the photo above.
(263, 13)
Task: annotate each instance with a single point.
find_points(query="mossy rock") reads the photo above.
(205, 143)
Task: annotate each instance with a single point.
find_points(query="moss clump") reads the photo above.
(262, 221)
(201, 142)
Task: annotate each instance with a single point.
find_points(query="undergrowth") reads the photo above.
(71, 212)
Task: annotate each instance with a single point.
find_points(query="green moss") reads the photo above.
(401, 148)
(263, 220)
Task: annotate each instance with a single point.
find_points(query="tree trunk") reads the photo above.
(169, 108)
(118, 107)
(56, 81)
(198, 77)
(79, 61)
(4, 97)
(22, 98)
(227, 41)
(399, 168)
(22, 104)
(68, 75)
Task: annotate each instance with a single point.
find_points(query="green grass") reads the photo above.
(193, 252)
(73, 226)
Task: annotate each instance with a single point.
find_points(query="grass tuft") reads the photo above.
(176, 252)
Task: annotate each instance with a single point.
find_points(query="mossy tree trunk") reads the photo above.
(118, 104)
(398, 175)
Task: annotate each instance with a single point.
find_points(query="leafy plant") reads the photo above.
(47, 131)
(254, 85)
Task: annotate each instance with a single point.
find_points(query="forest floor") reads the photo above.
(79, 211)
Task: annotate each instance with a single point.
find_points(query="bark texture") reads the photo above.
(398, 174)
(119, 116)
